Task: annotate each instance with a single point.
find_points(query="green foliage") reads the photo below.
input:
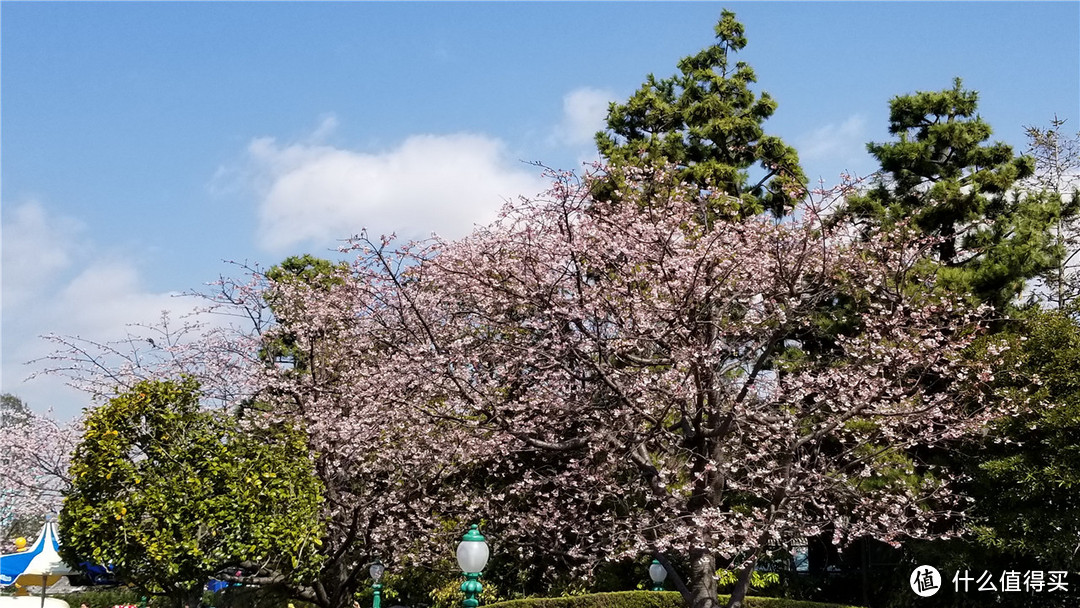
(249, 596)
(647, 599)
(449, 594)
(307, 271)
(231, 597)
(169, 494)
(708, 124)
(107, 597)
(13, 411)
(1028, 480)
(941, 175)
(1024, 474)
(758, 579)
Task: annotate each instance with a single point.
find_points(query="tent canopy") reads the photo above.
(41, 562)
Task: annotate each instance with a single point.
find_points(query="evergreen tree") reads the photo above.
(1022, 473)
(1057, 177)
(1000, 226)
(943, 176)
(13, 411)
(317, 274)
(1027, 487)
(708, 124)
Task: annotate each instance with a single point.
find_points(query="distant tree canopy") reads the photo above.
(707, 122)
(13, 411)
(303, 270)
(308, 269)
(1057, 178)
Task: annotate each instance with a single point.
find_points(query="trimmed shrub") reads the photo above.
(119, 596)
(102, 598)
(647, 599)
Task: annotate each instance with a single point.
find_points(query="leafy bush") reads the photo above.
(254, 597)
(103, 598)
(647, 599)
(233, 597)
(119, 596)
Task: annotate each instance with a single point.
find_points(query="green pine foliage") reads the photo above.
(13, 411)
(307, 271)
(707, 123)
(310, 270)
(1023, 474)
(943, 176)
(170, 494)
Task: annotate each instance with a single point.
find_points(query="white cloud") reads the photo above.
(37, 247)
(836, 147)
(105, 297)
(99, 304)
(56, 282)
(317, 194)
(584, 113)
(326, 128)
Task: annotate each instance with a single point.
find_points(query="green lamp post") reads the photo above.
(657, 573)
(472, 556)
(376, 571)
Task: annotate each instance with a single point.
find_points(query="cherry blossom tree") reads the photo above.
(297, 344)
(34, 455)
(609, 378)
(645, 379)
(391, 457)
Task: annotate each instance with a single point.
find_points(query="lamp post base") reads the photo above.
(472, 589)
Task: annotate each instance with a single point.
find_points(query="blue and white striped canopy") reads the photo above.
(41, 561)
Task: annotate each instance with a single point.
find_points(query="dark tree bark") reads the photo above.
(738, 594)
(702, 580)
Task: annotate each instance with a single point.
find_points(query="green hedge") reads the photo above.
(107, 597)
(647, 599)
(100, 598)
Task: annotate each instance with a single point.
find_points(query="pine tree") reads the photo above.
(708, 124)
(943, 176)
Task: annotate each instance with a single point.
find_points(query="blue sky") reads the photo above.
(144, 143)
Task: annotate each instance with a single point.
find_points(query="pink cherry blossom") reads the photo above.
(602, 379)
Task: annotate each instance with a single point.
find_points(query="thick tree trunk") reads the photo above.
(738, 594)
(702, 580)
(337, 587)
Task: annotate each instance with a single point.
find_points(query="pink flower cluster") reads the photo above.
(601, 378)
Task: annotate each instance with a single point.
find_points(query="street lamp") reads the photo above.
(376, 571)
(657, 573)
(472, 556)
